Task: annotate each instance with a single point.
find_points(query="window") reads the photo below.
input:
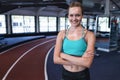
(103, 24)
(62, 23)
(91, 23)
(47, 24)
(2, 24)
(84, 22)
(23, 24)
(52, 24)
(43, 24)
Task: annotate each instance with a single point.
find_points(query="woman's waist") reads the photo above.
(73, 68)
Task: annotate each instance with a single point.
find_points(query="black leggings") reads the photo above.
(81, 75)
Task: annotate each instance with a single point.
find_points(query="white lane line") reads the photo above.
(45, 65)
(5, 76)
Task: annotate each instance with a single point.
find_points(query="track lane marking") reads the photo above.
(45, 65)
(5, 76)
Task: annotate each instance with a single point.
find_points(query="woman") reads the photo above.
(74, 47)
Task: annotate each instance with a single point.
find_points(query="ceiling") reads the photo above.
(90, 6)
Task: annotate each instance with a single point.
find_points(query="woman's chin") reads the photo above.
(74, 25)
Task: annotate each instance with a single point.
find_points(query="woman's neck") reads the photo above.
(79, 27)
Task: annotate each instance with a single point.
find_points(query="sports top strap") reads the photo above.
(83, 33)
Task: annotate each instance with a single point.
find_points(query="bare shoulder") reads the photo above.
(61, 34)
(89, 35)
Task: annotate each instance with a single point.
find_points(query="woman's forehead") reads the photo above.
(75, 10)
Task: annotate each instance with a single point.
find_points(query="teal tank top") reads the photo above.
(74, 47)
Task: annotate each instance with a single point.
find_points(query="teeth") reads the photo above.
(74, 22)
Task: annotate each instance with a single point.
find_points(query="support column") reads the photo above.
(8, 24)
(37, 28)
(107, 7)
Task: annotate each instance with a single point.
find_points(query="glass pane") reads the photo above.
(29, 24)
(103, 24)
(23, 24)
(84, 22)
(91, 24)
(2, 24)
(43, 24)
(52, 24)
(62, 23)
(17, 24)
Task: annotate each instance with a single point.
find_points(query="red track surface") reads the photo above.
(31, 65)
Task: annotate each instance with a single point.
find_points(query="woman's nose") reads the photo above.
(74, 17)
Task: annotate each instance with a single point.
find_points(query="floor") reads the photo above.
(26, 61)
(105, 66)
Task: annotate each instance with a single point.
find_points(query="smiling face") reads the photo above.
(75, 16)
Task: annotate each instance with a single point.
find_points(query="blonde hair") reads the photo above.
(76, 4)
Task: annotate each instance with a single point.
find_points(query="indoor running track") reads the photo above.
(26, 61)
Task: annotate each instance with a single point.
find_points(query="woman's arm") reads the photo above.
(57, 51)
(87, 59)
